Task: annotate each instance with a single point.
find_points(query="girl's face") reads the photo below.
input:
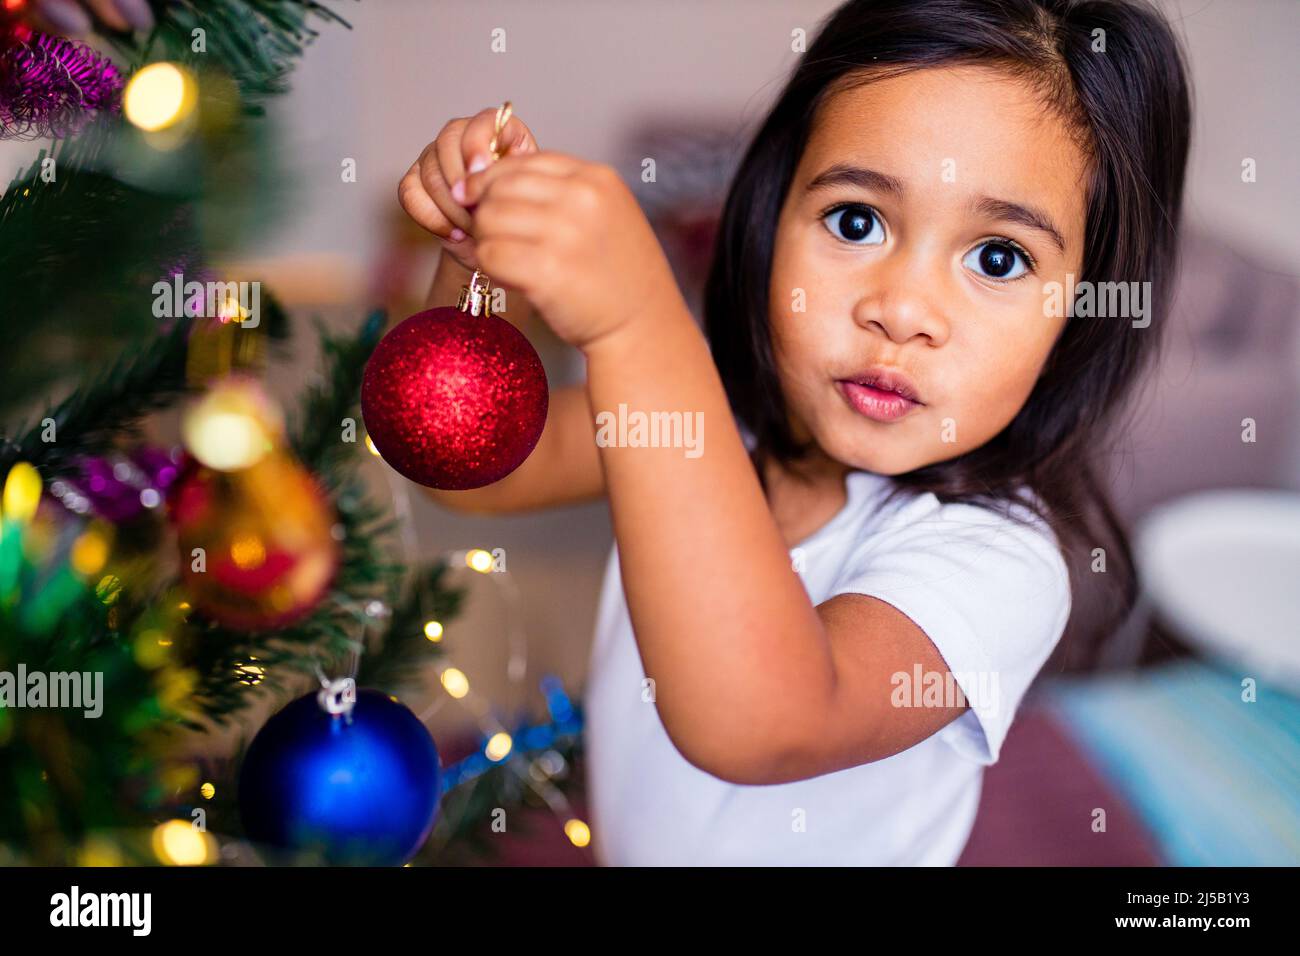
(926, 215)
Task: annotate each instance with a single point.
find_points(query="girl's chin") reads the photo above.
(881, 459)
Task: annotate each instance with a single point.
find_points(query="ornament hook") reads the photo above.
(503, 117)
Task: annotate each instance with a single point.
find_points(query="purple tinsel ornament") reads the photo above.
(53, 87)
(119, 487)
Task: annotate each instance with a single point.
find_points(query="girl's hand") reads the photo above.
(73, 17)
(425, 192)
(570, 235)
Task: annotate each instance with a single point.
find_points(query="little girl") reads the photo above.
(816, 628)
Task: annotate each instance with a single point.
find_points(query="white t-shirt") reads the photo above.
(992, 595)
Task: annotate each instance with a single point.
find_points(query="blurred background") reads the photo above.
(1149, 722)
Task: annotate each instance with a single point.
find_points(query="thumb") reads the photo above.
(515, 137)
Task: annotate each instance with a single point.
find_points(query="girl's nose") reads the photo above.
(903, 300)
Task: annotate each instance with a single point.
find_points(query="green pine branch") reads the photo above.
(257, 41)
(145, 377)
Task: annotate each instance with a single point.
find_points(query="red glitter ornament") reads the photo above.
(455, 398)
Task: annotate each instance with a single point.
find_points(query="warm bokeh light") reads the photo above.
(99, 851)
(250, 674)
(151, 648)
(158, 96)
(177, 843)
(22, 493)
(247, 551)
(226, 441)
(479, 560)
(498, 746)
(231, 311)
(455, 682)
(579, 833)
(433, 630)
(89, 553)
(208, 791)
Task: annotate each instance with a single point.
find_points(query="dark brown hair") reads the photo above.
(1130, 105)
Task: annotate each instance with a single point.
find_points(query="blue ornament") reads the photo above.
(357, 789)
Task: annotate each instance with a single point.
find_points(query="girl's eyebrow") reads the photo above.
(843, 174)
(1025, 215)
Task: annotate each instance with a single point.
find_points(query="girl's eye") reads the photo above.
(856, 224)
(997, 259)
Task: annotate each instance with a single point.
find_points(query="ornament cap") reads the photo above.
(476, 298)
(338, 696)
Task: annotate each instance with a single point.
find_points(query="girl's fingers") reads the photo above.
(515, 139)
(513, 219)
(437, 182)
(107, 11)
(529, 185)
(445, 150)
(419, 205)
(552, 164)
(137, 13)
(64, 17)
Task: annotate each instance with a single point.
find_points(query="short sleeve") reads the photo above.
(991, 593)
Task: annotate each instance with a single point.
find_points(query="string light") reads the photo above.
(159, 96)
(479, 560)
(498, 746)
(208, 791)
(579, 833)
(455, 682)
(177, 843)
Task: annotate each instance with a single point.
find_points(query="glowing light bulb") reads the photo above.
(579, 833)
(479, 560)
(455, 682)
(498, 746)
(208, 791)
(158, 96)
(433, 631)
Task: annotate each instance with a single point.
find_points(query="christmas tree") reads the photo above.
(166, 589)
